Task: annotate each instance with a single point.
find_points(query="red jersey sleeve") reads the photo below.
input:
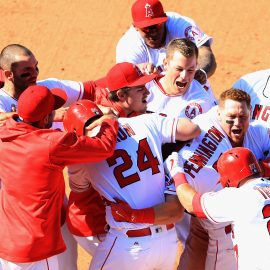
(89, 90)
(70, 149)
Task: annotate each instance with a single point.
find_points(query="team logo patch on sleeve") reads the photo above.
(193, 109)
(194, 34)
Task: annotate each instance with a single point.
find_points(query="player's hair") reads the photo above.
(183, 45)
(8, 54)
(112, 96)
(234, 94)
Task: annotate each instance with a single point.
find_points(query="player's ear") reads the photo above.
(8, 74)
(165, 63)
(121, 94)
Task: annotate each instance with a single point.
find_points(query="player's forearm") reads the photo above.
(6, 115)
(168, 212)
(186, 130)
(185, 195)
(207, 61)
(189, 198)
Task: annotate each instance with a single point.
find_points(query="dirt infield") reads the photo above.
(76, 39)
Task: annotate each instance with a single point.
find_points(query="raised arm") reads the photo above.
(186, 130)
(187, 195)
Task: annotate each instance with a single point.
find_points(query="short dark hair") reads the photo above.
(112, 96)
(186, 47)
(8, 54)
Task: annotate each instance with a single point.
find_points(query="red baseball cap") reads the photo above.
(147, 12)
(38, 101)
(126, 75)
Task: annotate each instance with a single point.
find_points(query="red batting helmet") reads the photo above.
(235, 165)
(79, 114)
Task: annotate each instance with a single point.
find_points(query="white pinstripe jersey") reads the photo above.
(132, 48)
(201, 155)
(135, 172)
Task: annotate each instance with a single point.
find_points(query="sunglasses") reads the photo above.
(150, 28)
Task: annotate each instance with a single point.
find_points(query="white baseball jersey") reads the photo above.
(135, 172)
(257, 85)
(248, 208)
(194, 102)
(201, 155)
(74, 91)
(132, 48)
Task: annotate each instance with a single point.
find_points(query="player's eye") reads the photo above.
(25, 75)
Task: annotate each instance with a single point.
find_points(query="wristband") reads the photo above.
(146, 215)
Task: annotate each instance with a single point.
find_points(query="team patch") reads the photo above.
(193, 109)
(194, 34)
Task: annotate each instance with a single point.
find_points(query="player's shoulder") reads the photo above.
(257, 126)
(208, 118)
(260, 74)
(253, 81)
(196, 90)
(176, 17)
(129, 37)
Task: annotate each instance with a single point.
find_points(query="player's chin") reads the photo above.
(154, 44)
(237, 140)
(142, 108)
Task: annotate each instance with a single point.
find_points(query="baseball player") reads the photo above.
(223, 127)
(135, 175)
(176, 92)
(20, 69)
(127, 97)
(30, 221)
(244, 201)
(257, 85)
(153, 29)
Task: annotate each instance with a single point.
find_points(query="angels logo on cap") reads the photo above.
(148, 11)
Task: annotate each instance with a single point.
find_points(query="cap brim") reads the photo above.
(60, 97)
(143, 24)
(143, 80)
